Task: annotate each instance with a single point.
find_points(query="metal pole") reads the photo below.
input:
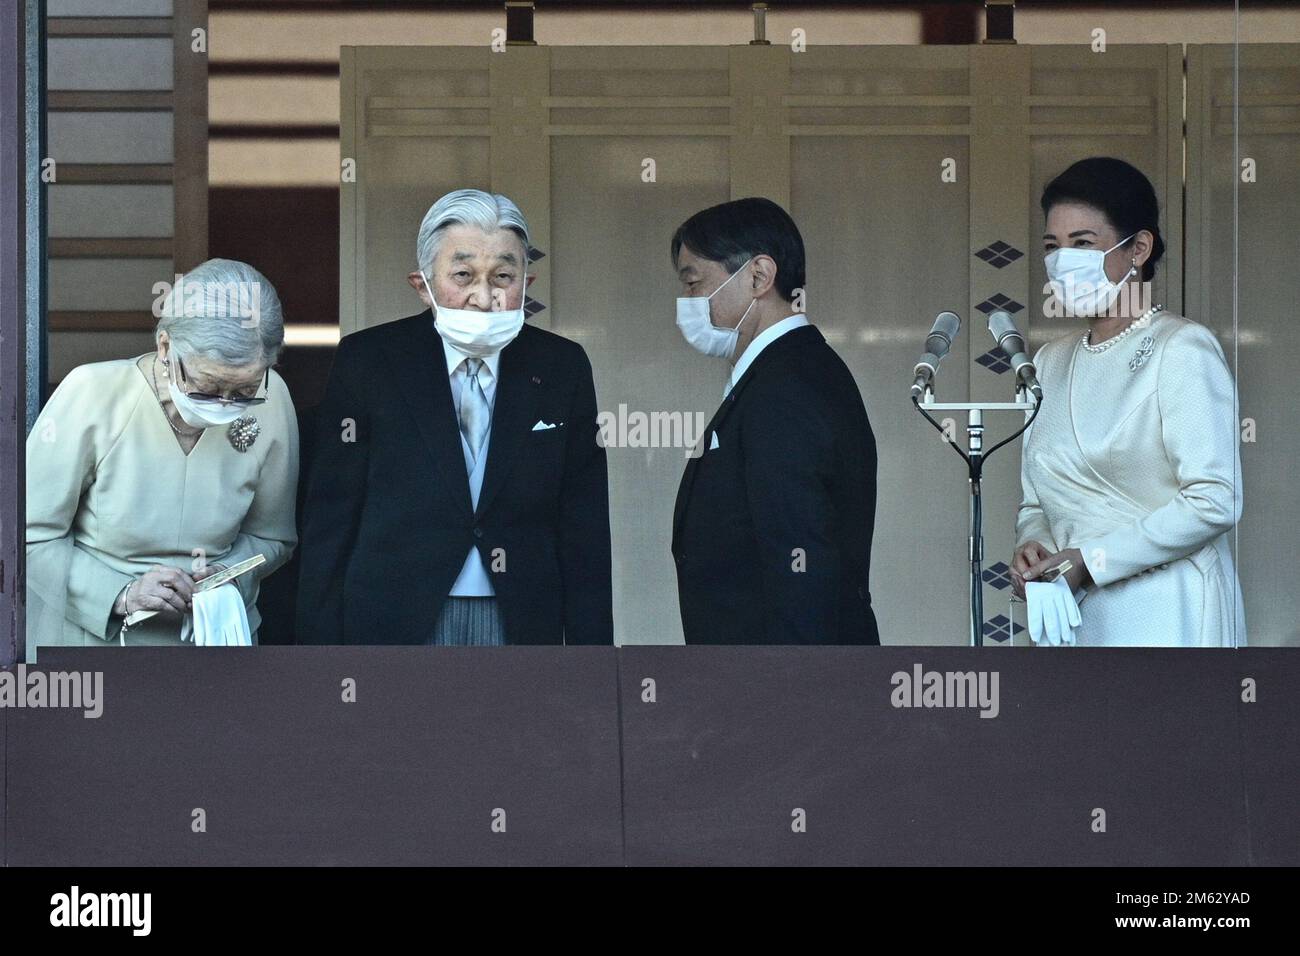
(760, 26)
(38, 344)
(975, 431)
(14, 120)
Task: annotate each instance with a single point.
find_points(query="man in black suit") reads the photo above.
(773, 524)
(458, 493)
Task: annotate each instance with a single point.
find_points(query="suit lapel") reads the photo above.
(692, 466)
(791, 339)
(510, 413)
(421, 371)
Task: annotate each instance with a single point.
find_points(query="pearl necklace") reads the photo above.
(1137, 323)
(153, 371)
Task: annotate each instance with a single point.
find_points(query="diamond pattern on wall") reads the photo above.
(1000, 629)
(998, 576)
(998, 254)
(995, 360)
(999, 301)
(531, 305)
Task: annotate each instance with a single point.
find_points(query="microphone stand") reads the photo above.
(975, 466)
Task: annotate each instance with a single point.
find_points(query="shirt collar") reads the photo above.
(762, 341)
(454, 359)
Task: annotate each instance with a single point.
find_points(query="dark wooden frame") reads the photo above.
(15, 121)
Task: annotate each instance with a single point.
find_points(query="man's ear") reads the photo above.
(416, 281)
(764, 274)
(528, 280)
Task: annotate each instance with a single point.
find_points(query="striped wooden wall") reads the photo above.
(127, 133)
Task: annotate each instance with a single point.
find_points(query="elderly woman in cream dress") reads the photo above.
(1131, 469)
(147, 474)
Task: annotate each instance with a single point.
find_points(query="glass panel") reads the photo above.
(109, 63)
(1266, 177)
(110, 137)
(402, 177)
(92, 211)
(887, 252)
(109, 8)
(614, 291)
(106, 285)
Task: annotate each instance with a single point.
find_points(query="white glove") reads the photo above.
(219, 618)
(1053, 613)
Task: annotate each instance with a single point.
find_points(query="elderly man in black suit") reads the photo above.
(773, 524)
(459, 495)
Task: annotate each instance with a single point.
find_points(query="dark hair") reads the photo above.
(733, 232)
(1118, 191)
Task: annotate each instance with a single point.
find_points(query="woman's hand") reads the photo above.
(1076, 577)
(1027, 555)
(164, 589)
(207, 571)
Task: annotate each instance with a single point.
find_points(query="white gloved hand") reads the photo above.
(220, 619)
(1052, 612)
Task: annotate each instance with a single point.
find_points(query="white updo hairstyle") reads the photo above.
(226, 312)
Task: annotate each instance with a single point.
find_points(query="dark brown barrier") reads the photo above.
(728, 755)
(800, 756)
(1270, 747)
(441, 750)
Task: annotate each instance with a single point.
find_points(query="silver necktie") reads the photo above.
(475, 416)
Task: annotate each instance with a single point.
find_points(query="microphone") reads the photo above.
(1003, 329)
(937, 344)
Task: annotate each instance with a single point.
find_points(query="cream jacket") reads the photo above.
(1134, 460)
(110, 492)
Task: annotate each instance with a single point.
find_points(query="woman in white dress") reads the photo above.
(1132, 468)
(147, 474)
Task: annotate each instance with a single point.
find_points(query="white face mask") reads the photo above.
(1079, 282)
(697, 326)
(473, 333)
(201, 414)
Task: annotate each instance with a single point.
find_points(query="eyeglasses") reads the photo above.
(220, 399)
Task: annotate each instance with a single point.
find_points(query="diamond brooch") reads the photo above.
(1145, 348)
(243, 431)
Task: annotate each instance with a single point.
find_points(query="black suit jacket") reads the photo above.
(772, 529)
(387, 520)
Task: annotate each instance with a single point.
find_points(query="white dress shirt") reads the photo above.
(473, 580)
(762, 341)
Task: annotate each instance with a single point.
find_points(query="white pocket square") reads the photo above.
(714, 443)
(541, 426)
